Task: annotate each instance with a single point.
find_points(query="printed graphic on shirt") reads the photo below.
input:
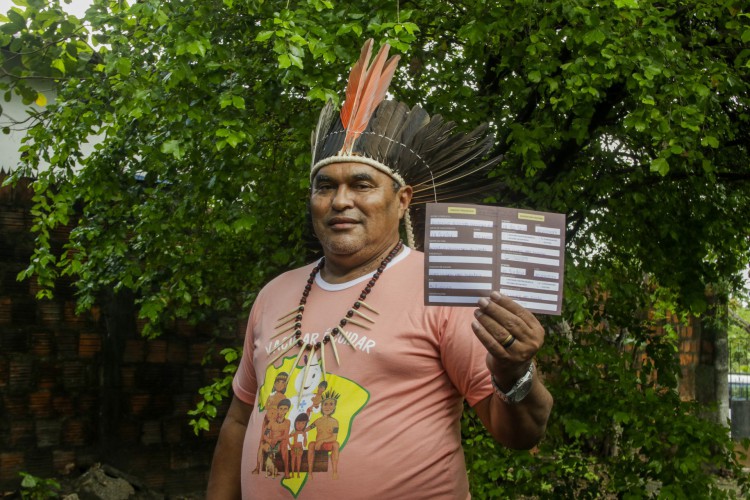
(306, 424)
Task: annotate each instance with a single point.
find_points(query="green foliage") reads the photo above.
(739, 338)
(37, 488)
(177, 147)
(628, 117)
(618, 427)
(212, 395)
(739, 327)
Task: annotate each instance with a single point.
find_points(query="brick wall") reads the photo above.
(69, 399)
(697, 354)
(690, 350)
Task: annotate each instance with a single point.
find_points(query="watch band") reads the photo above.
(519, 390)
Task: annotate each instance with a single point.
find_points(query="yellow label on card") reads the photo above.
(534, 217)
(462, 210)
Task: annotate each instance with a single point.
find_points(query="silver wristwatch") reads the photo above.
(519, 390)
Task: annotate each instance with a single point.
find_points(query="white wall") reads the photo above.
(15, 109)
(13, 112)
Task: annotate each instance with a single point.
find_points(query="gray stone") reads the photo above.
(95, 484)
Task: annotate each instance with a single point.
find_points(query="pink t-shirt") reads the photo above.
(386, 420)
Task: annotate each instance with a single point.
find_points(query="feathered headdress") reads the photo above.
(407, 144)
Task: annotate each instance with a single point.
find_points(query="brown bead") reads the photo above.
(350, 313)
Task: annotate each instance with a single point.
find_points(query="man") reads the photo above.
(327, 428)
(401, 392)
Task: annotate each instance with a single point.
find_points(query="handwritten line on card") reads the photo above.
(475, 273)
(539, 306)
(482, 235)
(535, 250)
(530, 260)
(452, 299)
(460, 285)
(466, 247)
(514, 227)
(435, 233)
(519, 271)
(538, 273)
(529, 295)
(533, 284)
(450, 221)
(530, 239)
(547, 230)
(459, 259)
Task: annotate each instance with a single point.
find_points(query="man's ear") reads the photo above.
(404, 199)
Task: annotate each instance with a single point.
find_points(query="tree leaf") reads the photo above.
(660, 165)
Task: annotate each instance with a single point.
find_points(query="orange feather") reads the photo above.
(354, 87)
(371, 84)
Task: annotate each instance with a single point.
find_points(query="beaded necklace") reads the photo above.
(284, 323)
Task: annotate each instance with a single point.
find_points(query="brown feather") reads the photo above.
(379, 133)
(324, 124)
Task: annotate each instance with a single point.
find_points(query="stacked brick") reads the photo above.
(691, 349)
(52, 398)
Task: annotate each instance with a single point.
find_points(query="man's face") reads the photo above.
(355, 209)
(328, 407)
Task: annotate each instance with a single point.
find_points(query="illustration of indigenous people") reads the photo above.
(279, 389)
(298, 440)
(328, 430)
(272, 403)
(318, 397)
(275, 439)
